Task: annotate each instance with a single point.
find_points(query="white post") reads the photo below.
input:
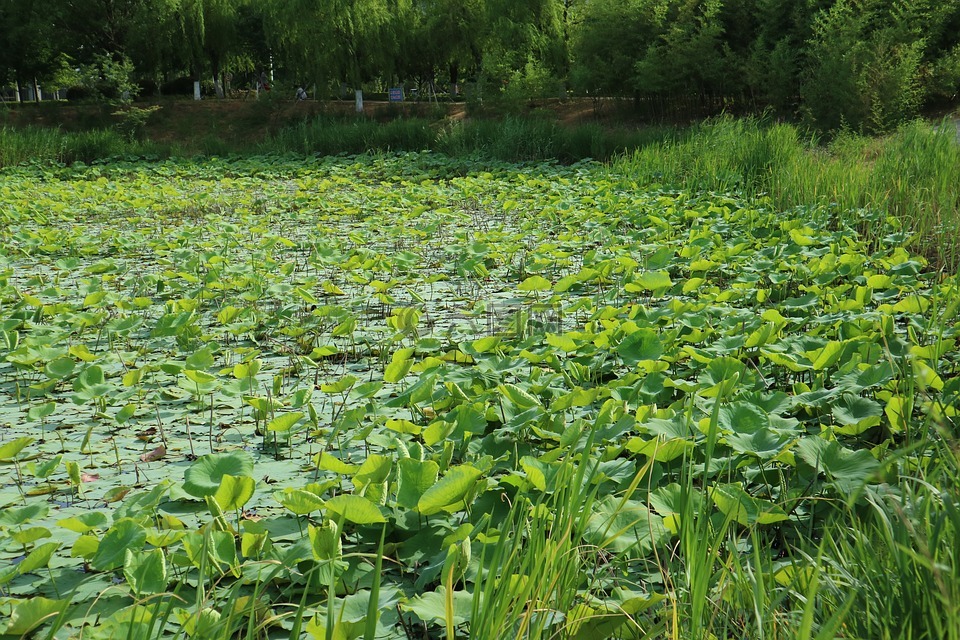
(196, 89)
(358, 93)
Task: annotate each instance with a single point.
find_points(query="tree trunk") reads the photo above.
(17, 82)
(358, 97)
(36, 90)
(217, 79)
(454, 79)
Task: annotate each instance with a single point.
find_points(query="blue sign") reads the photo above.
(395, 94)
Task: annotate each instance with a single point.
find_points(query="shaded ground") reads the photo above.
(251, 119)
(181, 120)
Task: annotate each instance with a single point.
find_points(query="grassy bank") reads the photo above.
(511, 139)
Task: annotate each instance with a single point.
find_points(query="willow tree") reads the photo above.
(525, 41)
(351, 41)
(441, 36)
(210, 29)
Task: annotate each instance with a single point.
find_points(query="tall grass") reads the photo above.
(511, 139)
(330, 135)
(895, 564)
(45, 145)
(31, 143)
(911, 176)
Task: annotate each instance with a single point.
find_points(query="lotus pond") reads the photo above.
(406, 396)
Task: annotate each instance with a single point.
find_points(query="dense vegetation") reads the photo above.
(912, 174)
(412, 396)
(864, 64)
(424, 377)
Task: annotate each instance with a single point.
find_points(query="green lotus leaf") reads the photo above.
(27, 615)
(850, 467)
(355, 509)
(642, 344)
(431, 606)
(449, 491)
(414, 479)
(145, 571)
(856, 414)
(234, 492)
(203, 477)
(737, 504)
(126, 534)
(298, 501)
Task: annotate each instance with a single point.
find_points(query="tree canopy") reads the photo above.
(864, 64)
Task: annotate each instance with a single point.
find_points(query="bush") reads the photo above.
(109, 79)
(859, 77)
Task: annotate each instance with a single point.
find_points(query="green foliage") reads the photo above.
(869, 65)
(862, 77)
(913, 173)
(509, 400)
(109, 79)
(133, 121)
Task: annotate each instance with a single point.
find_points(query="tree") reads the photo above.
(97, 27)
(346, 40)
(865, 64)
(210, 29)
(441, 35)
(524, 38)
(689, 56)
(29, 47)
(612, 36)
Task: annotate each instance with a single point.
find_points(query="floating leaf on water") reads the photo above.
(203, 477)
(154, 455)
(115, 494)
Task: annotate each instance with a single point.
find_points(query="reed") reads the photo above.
(909, 179)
